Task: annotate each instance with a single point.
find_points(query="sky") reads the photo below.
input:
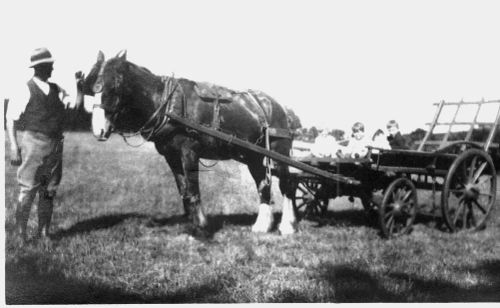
(333, 62)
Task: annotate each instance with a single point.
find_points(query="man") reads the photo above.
(41, 106)
(396, 140)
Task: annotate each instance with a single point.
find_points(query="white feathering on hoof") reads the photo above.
(288, 223)
(264, 220)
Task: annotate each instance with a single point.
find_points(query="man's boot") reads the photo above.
(22, 216)
(45, 208)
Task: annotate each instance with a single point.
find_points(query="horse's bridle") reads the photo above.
(99, 83)
(154, 121)
(98, 87)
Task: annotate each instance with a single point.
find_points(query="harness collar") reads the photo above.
(159, 118)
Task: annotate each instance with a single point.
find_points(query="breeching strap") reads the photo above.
(267, 160)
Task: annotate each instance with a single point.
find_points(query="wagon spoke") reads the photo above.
(388, 215)
(391, 225)
(301, 188)
(407, 195)
(478, 172)
(301, 205)
(484, 180)
(395, 195)
(471, 217)
(472, 165)
(457, 212)
(309, 189)
(407, 208)
(464, 170)
(486, 194)
(460, 185)
(457, 191)
(464, 217)
(481, 208)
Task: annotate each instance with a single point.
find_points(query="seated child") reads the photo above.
(356, 148)
(396, 140)
(379, 140)
(325, 145)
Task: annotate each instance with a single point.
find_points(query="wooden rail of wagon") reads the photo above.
(472, 124)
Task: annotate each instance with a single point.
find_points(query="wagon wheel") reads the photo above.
(309, 199)
(469, 191)
(398, 208)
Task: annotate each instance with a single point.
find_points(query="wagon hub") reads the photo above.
(397, 208)
(471, 192)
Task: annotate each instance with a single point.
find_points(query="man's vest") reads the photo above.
(44, 113)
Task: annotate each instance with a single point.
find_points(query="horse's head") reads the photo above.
(105, 81)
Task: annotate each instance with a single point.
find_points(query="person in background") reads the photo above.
(396, 140)
(40, 105)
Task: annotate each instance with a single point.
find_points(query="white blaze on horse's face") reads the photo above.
(100, 126)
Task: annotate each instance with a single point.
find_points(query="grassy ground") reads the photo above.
(118, 238)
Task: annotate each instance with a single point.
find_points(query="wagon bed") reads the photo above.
(460, 173)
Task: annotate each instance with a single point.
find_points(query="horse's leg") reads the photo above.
(175, 163)
(264, 220)
(288, 224)
(190, 160)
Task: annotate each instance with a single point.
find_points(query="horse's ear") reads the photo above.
(122, 54)
(100, 56)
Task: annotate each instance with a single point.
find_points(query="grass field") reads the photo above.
(118, 238)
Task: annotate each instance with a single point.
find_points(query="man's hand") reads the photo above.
(79, 75)
(15, 156)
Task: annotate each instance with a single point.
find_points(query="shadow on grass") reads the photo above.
(352, 285)
(216, 222)
(443, 291)
(360, 218)
(349, 217)
(27, 282)
(96, 223)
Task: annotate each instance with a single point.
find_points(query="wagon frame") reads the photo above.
(460, 174)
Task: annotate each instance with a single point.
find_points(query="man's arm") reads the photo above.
(15, 108)
(70, 101)
(15, 153)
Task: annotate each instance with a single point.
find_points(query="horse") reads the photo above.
(136, 101)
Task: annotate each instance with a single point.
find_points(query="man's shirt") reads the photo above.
(18, 103)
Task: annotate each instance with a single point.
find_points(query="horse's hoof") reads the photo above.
(264, 222)
(287, 228)
(198, 233)
(261, 228)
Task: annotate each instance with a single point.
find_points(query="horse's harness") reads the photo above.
(160, 118)
(155, 122)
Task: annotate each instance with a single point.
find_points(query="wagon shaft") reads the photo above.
(255, 148)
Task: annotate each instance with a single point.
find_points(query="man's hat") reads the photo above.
(41, 55)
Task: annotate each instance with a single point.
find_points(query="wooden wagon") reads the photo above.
(455, 175)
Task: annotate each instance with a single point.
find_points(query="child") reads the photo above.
(356, 148)
(325, 145)
(396, 140)
(379, 140)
